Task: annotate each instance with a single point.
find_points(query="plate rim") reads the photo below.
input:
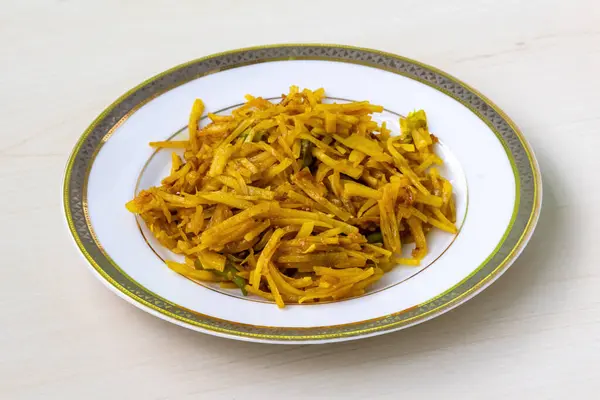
(163, 308)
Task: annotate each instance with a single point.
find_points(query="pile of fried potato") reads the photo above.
(298, 201)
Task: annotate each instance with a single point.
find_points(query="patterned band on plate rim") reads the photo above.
(526, 171)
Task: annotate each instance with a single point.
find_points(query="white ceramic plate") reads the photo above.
(494, 173)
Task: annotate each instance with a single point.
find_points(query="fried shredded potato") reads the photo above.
(298, 201)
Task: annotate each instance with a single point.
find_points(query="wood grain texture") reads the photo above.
(534, 334)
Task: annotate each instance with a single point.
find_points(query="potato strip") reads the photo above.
(298, 201)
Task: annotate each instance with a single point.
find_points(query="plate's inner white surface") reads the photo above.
(482, 164)
(159, 167)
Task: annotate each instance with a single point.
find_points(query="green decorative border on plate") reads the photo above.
(524, 165)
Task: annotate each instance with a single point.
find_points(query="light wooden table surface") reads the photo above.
(534, 334)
